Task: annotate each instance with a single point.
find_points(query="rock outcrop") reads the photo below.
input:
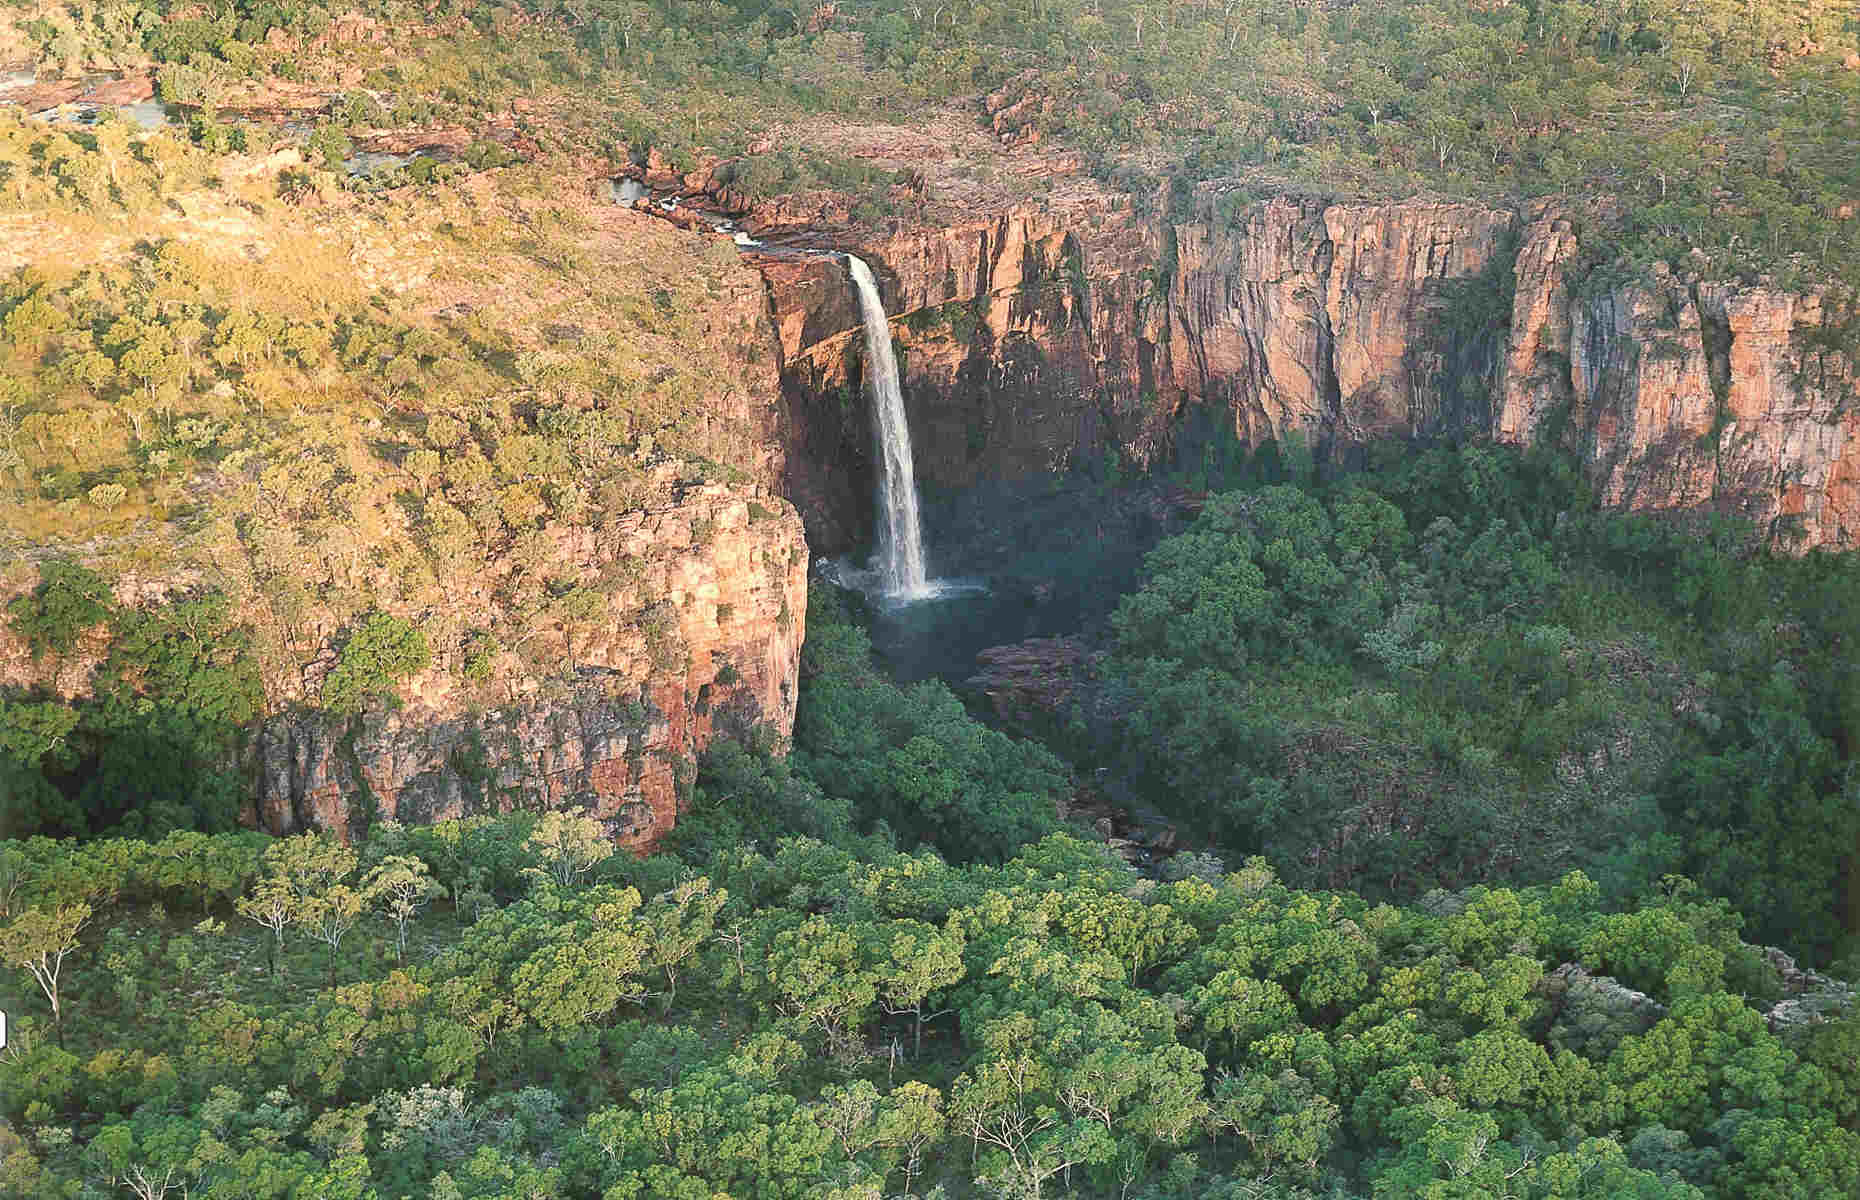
(635, 697)
(1046, 335)
(703, 611)
(1034, 677)
(1809, 997)
(1592, 1014)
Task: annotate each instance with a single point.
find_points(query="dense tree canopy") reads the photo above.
(808, 1021)
(1458, 670)
(148, 752)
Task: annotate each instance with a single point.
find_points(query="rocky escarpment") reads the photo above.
(564, 495)
(696, 631)
(1042, 336)
(702, 636)
(1324, 319)
(1692, 394)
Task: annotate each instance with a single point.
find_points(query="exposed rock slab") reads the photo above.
(1038, 675)
(1809, 997)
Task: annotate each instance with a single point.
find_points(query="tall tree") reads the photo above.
(570, 844)
(38, 941)
(402, 885)
(272, 905)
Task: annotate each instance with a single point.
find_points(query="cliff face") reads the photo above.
(633, 700)
(1710, 395)
(1031, 339)
(1040, 335)
(699, 633)
(1322, 320)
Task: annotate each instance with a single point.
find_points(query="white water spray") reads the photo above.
(900, 532)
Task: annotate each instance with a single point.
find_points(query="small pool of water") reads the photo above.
(939, 636)
(1049, 559)
(147, 115)
(370, 162)
(936, 635)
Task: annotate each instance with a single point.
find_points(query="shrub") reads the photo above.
(479, 654)
(481, 155)
(68, 600)
(381, 652)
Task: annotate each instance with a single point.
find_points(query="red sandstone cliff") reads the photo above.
(1036, 335)
(627, 708)
(1694, 394)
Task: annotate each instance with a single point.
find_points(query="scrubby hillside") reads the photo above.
(520, 431)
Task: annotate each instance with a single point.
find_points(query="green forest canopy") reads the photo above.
(802, 1020)
(877, 967)
(1457, 669)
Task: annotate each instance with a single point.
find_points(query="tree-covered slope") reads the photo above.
(1459, 670)
(874, 969)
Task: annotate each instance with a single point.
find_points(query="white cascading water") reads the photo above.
(900, 533)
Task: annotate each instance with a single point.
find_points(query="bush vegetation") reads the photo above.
(152, 749)
(381, 652)
(802, 1020)
(1719, 127)
(1459, 670)
(319, 452)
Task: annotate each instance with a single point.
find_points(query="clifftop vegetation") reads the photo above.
(1712, 126)
(322, 413)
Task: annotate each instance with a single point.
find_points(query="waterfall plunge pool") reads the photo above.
(1041, 558)
(936, 633)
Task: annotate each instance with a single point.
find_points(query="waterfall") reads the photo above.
(900, 533)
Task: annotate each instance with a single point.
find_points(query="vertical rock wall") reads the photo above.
(1036, 337)
(634, 698)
